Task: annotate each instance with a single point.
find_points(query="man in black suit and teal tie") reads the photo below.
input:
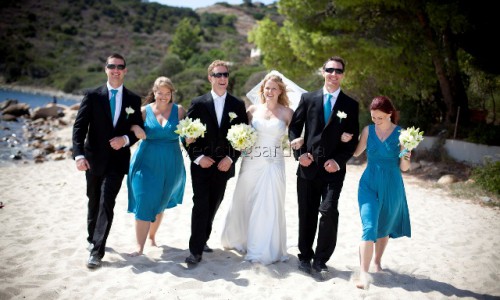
(101, 147)
(326, 114)
(212, 156)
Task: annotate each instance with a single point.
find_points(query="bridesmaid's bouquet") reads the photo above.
(242, 136)
(409, 139)
(191, 129)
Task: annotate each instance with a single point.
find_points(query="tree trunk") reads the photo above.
(447, 70)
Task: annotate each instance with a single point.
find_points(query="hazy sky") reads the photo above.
(202, 3)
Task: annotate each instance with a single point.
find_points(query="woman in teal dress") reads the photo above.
(381, 194)
(157, 176)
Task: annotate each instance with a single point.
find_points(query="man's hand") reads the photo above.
(306, 159)
(297, 143)
(82, 164)
(117, 142)
(139, 132)
(224, 164)
(331, 166)
(206, 162)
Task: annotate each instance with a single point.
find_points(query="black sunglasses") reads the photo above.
(337, 71)
(113, 66)
(219, 75)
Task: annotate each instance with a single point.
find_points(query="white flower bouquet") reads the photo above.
(242, 136)
(410, 138)
(191, 129)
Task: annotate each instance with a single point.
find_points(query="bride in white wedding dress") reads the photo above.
(255, 221)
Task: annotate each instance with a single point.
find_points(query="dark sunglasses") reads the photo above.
(331, 70)
(219, 75)
(113, 66)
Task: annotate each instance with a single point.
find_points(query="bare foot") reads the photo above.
(134, 254)
(363, 281)
(378, 267)
(152, 242)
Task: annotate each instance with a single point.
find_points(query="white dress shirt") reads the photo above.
(219, 105)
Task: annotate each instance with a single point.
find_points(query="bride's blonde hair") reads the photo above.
(283, 97)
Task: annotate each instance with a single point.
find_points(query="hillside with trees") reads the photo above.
(435, 59)
(64, 44)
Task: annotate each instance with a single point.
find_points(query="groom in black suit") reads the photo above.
(101, 147)
(326, 114)
(212, 157)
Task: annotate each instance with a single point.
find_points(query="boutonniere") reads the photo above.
(129, 110)
(232, 116)
(341, 115)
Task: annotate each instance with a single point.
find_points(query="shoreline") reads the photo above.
(38, 90)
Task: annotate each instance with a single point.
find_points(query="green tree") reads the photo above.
(186, 39)
(405, 48)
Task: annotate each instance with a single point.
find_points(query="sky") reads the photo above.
(203, 3)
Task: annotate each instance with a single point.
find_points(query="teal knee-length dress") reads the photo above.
(381, 194)
(157, 176)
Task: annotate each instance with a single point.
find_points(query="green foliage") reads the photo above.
(481, 133)
(204, 59)
(392, 47)
(72, 84)
(186, 39)
(190, 83)
(488, 176)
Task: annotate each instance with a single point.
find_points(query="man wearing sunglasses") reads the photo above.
(212, 157)
(326, 114)
(101, 147)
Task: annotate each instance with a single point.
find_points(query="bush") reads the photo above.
(488, 176)
(72, 84)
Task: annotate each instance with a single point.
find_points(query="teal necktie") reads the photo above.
(112, 103)
(328, 107)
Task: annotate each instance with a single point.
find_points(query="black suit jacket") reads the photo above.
(93, 129)
(323, 141)
(215, 143)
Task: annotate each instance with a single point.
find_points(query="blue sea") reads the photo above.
(8, 130)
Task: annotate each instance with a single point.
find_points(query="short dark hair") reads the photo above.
(116, 55)
(337, 59)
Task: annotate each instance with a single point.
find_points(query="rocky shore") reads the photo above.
(46, 131)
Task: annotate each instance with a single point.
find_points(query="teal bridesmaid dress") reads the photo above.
(157, 176)
(381, 194)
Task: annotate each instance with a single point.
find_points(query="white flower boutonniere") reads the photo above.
(232, 116)
(341, 115)
(129, 110)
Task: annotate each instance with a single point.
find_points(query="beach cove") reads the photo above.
(452, 252)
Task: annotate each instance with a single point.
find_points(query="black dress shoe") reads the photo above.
(94, 262)
(320, 267)
(305, 266)
(207, 249)
(193, 259)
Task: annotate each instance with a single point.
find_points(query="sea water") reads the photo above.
(15, 129)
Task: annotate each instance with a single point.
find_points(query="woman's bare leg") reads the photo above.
(365, 257)
(154, 228)
(379, 251)
(141, 232)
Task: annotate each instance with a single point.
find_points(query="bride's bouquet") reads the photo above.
(409, 139)
(191, 129)
(242, 136)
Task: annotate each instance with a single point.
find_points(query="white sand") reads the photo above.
(454, 251)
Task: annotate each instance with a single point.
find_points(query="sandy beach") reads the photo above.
(453, 252)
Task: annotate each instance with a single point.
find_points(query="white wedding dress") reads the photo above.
(255, 221)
